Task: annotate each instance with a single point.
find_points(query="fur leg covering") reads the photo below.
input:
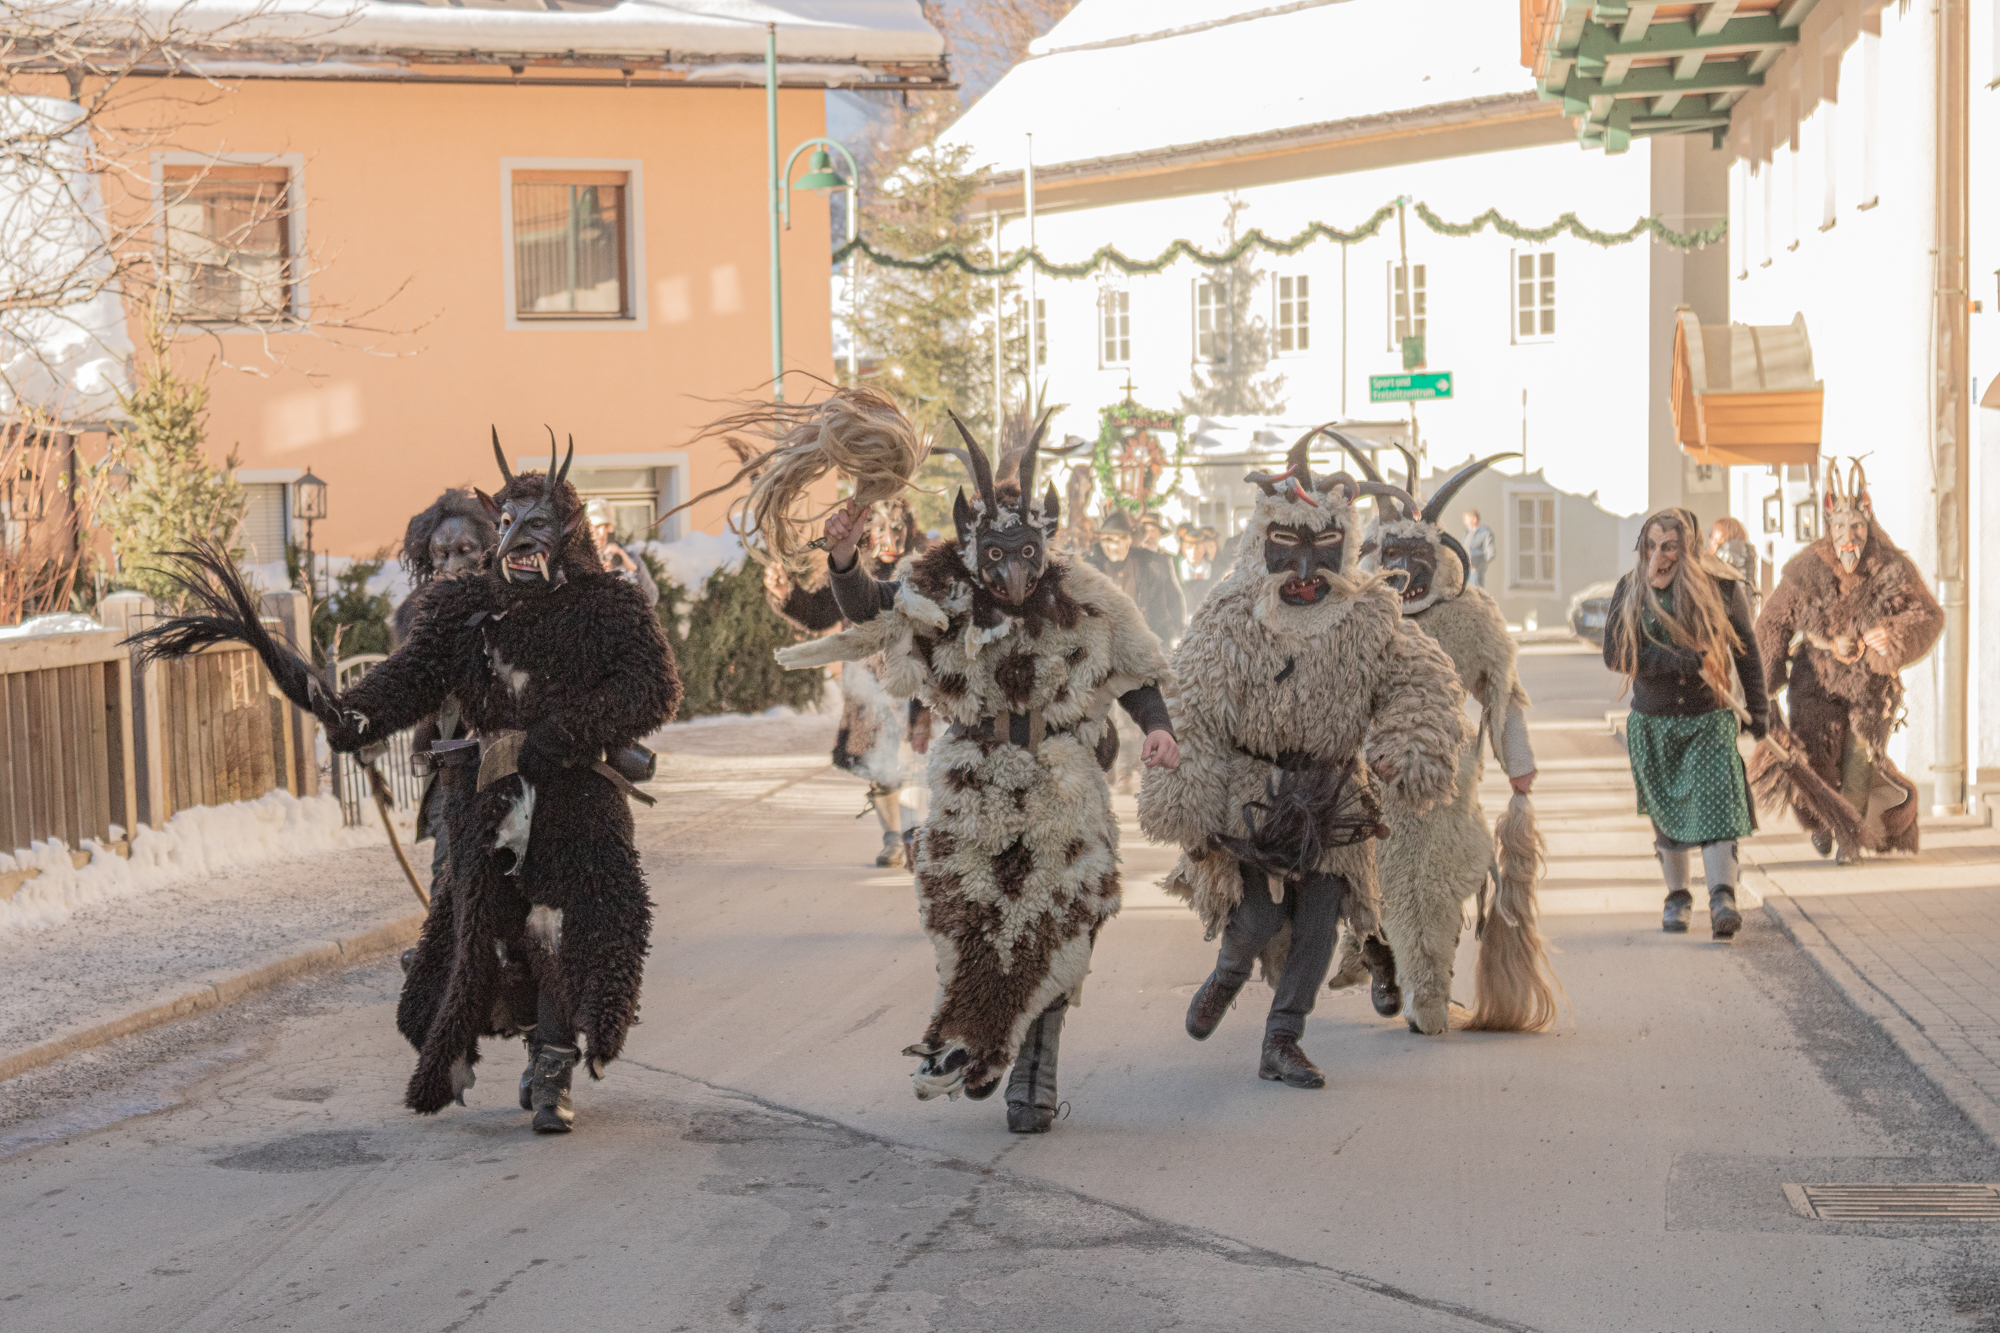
(1514, 988)
(489, 913)
(1423, 922)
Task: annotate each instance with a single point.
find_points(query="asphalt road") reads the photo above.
(758, 1160)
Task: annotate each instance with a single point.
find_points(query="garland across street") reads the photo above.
(1256, 239)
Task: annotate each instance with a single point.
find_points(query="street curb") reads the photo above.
(220, 988)
(1908, 1034)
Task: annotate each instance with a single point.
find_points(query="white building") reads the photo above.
(1150, 121)
(1849, 127)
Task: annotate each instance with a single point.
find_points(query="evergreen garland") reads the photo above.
(1110, 423)
(1256, 239)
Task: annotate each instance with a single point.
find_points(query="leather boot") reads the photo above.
(1210, 1003)
(1284, 1062)
(1723, 918)
(1680, 907)
(1822, 842)
(548, 1089)
(1031, 1086)
(528, 1074)
(1384, 992)
(406, 957)
(891, 854)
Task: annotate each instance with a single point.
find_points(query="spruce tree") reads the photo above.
(1231, 387)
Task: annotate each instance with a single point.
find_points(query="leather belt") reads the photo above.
(1027, 730)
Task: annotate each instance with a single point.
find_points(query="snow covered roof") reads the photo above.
(1118, 78)
(712, 39)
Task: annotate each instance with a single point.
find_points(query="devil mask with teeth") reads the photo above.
(539, 517)
(1408, 538)
(1305, 522)
(1003, 536)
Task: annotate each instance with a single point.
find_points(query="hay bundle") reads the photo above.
(859, 434)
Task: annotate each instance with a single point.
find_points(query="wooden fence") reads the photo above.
(67, 767)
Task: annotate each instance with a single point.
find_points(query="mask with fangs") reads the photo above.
(537, 514)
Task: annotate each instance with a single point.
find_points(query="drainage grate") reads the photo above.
(1956, 1201)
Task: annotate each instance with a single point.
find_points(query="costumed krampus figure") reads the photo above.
(1022, 655)
(1850, 612)
(1294, 670)
(557, 667)
(869, 743)
(1432, 862)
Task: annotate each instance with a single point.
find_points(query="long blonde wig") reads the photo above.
(1700, 618)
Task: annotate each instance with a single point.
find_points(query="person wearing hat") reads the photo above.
(615, 557)
(1147, 577)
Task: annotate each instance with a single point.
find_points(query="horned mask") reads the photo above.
(1307, 523)
(1003, 536)
(1412, 542)
(1850, 514)
(537, 516)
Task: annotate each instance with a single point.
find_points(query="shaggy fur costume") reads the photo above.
(1816, 603)
(1017, 864)
(1433, 861)
(1259, 678)
(869, 743)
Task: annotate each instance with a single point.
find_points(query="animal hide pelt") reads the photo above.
(1435, 859)
(1810, 638)
(1017, 863)
(1514, 987)
(869, 743)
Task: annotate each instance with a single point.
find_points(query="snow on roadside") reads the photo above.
(196, 842)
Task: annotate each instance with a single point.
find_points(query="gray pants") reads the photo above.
(1312, 907)
(1718, 862)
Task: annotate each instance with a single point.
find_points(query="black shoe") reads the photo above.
(1384, 992)
(406, 958)
(1210, 1003)
(1024, 1118)
(1284, 1062)
(549, 1088)
(1680, 907)
(1723, 918)
(1822, 842)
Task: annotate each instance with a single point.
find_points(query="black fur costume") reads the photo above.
(580, 665)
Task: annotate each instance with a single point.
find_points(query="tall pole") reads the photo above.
(1034, 343)
(777, 277)
(1951, 424)
(853, 283)
(999, 335)
(1408, 324)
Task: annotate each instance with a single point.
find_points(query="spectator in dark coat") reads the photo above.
(1147, 577)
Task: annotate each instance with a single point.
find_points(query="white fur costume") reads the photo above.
(1346, 675)
(1017, 863)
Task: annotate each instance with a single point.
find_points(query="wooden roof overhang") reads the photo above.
(1628, 70)
(1745, 395)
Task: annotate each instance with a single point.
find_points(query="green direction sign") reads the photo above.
(1420, 387)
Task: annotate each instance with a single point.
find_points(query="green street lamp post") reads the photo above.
(820, 175)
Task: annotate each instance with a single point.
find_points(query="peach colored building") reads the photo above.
(546, 217)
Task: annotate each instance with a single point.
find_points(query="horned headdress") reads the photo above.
(1419, 523)
(1855, 497)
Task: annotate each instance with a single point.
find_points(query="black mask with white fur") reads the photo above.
(1313, 544)
(1412, 542)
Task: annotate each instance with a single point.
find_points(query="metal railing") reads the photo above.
(350, 774)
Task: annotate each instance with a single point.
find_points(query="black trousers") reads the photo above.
(1312, 908)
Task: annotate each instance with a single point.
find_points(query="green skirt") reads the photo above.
(1689, 776)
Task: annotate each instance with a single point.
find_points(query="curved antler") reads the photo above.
(563, 475)
(1028, 462)
(1354, 451)
(1857, 480)
(1396, 493)
(982, 470)
(500, 457)
(1298, 459)
(1409, 466)
(1434, 507)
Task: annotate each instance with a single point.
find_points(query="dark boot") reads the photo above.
(892, 850)
(1680, 907)
(1210, 1003)
(1723, 918)
(548, 1089)
(1031, 1087)
(1283, 1061)
(1386, 994)
(406, 957)
(528, 1074)
(1822, 842)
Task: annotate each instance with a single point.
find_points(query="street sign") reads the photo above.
(1409, 388)
(1413, 352)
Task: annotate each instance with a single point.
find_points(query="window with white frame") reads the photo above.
(1114, 326)
(1409, 303)
(228, 242)
(1294, 321)
(267, 520)
(571, 241)
(1534, 282)
(1531, 539)
(1211, 320)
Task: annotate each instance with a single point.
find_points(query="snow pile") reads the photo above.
(55, 622)
(694, 557)
(196, 842)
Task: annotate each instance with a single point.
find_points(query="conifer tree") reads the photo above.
(1232, 387)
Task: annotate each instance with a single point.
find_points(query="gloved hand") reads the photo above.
(1758, 729)
(543, 754)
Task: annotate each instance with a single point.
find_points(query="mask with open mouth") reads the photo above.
(1305, 521)
(537, 516)
(1413, 542)
(1849, 513)
(1003, 538)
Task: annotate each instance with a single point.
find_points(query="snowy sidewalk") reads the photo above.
(165, 946)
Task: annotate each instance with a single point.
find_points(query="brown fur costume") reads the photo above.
(1017, 865)
(1342, 677)
(1817, 603)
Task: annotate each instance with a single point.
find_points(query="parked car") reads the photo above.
(1588, 608)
